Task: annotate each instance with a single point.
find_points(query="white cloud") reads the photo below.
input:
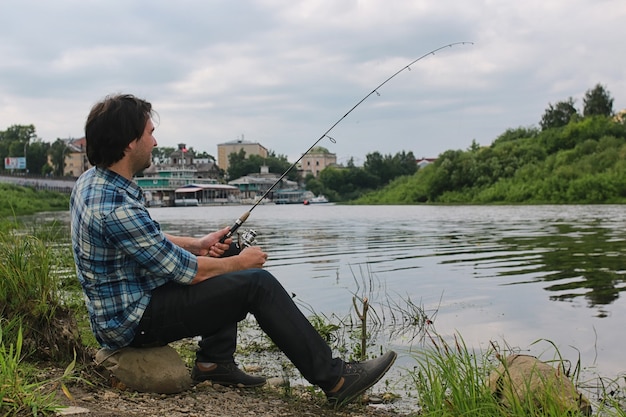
(282, 72)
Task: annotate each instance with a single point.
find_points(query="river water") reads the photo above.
(505, 274)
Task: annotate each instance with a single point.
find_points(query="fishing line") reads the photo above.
(245, 215)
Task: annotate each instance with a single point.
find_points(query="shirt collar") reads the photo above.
(120, 182)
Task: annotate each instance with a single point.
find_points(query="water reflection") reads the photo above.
(576, 249)
(579, 260)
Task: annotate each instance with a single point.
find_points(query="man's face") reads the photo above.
(145, 144)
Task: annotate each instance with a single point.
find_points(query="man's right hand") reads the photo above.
(252, 257)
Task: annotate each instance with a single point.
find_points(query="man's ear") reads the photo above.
(130, 146)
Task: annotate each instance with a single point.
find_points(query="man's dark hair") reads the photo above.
(112, 124)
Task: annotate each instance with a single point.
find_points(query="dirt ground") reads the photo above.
(101, 399)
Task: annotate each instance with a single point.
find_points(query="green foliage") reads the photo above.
(454, 380)
(511, 135)
(21, 140)
(581, 162)
(22, 201)
(351, 182)
(559, 115)
(386, 168)
(325, 328)
(598, 102)
(239, 165)
(450, 381)
(17, 395)
(37, 157)
(161, 153)
(31, 281)
(57, 153)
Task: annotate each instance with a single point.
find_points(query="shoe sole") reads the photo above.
(337, 403)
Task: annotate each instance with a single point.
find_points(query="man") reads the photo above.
(146, 288)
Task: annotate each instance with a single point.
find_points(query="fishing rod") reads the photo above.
(245, 215)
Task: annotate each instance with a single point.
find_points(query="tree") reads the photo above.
(205, 155)
(313, 184)
(37, 157)
(19, 133)
(57, 154)
(383, 169)
(162, 153)
(598, 102)
(376, 166)
(405, 164)
(239, 165)
(236, 164)
(516, 134)
(14, 141)
(558, 115)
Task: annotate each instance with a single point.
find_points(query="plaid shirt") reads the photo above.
(121, 254)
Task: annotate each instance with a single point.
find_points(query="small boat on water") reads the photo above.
(320, 199)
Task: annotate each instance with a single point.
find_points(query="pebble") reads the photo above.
(71, 410)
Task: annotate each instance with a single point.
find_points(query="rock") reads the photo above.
(72, 410)
(158, 370)
(523, 379)
(277, 381)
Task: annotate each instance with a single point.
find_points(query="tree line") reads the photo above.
(347, 183)
(338, 183)
(42, 158)
(573, 157)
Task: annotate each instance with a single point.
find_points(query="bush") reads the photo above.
(30, 296)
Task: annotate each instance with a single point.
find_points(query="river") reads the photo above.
(505, 274)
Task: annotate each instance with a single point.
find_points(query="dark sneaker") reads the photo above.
(359, 376)
(227, 374)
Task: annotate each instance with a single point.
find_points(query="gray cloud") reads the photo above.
(281, 72)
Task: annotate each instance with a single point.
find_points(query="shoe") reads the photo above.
(227, 374)
(359, 376)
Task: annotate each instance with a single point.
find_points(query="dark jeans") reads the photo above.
(212, 308)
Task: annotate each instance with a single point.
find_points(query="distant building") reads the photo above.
(421, 163)
(235, 146)
(620, 116)
(254, 186)
(182, 178)
(75, 157)
(314, 161)
(182, 156)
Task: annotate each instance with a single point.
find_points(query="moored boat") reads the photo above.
(320, 199)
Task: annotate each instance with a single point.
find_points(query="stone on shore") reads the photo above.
(524, 379)
(159, 369)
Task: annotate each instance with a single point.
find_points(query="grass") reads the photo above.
(454, 380)
(21, 393)
(17, 200)
(35, 322)
(31, 292)
(450, 381)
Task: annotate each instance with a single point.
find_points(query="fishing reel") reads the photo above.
(247, 238)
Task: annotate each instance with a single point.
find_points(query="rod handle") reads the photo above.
(235, 226)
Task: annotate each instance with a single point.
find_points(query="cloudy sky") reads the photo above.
(282, 72)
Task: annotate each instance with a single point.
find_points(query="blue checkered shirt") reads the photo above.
(121, 254)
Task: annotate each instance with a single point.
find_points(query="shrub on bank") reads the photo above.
(21, 201)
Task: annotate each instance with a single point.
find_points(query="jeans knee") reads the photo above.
(265, 278)
(265, 283)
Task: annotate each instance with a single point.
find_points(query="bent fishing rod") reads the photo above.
(245, 215)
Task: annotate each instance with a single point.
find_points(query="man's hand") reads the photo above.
(208, 267)
(252, 257)
(210, 245)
